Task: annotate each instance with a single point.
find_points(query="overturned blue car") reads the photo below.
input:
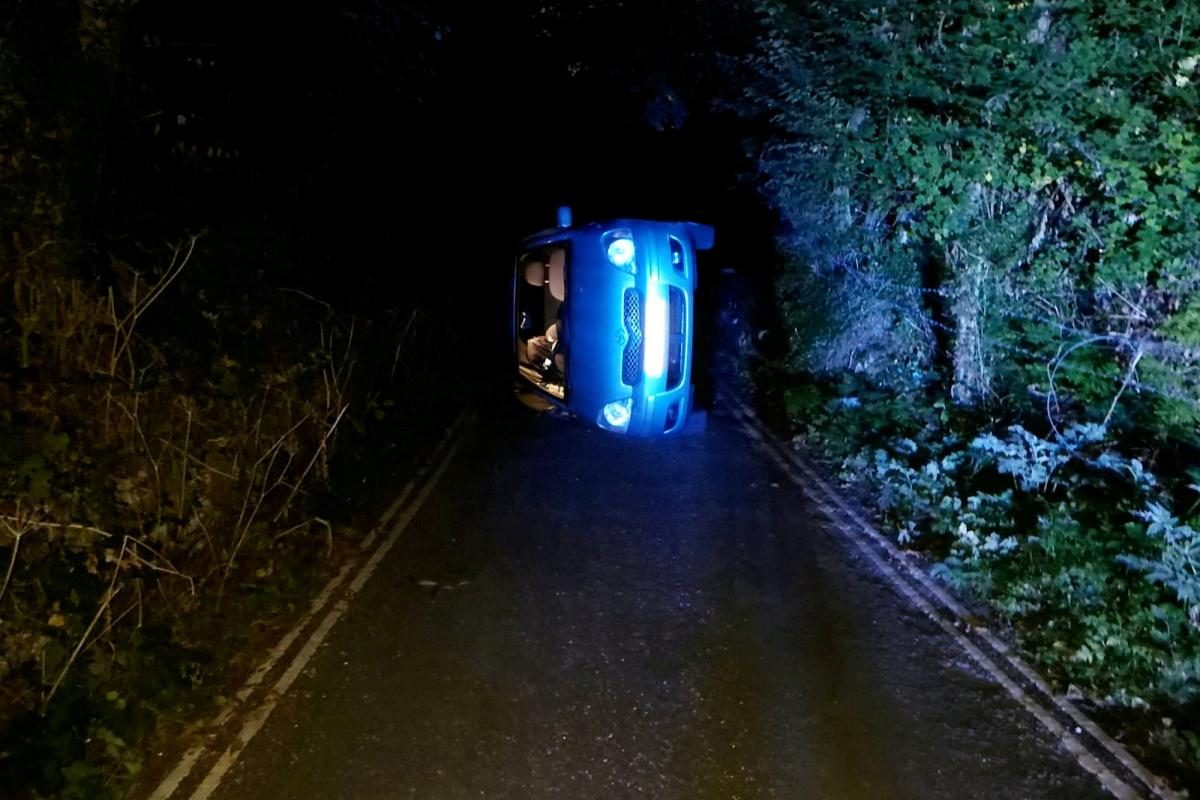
(603, 321)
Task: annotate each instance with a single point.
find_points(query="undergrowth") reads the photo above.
(166, 452)
(1082, 539)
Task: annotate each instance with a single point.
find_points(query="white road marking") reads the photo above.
(857, 534)
(175, 778)
(179, 774)
(408, 488)
(258, 717)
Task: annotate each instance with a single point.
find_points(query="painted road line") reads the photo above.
(179, 774)
(408, 488)
(259, 716)
(957, 622)
(1115, 749)
(176, 777)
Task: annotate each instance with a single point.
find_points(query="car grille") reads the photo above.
(675, 354)
(631, 359)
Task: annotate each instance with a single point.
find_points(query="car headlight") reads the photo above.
(618, 247)
(616, 414)
(620, 252)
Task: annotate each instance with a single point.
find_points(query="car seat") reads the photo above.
(556, 279)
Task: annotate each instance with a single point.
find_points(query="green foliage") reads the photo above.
(1032, 460)
(176, 494)
(1177, 564)
(1004, 200)
(835, 325)
(1184, 325)
(953, 175)
(170, 417)
(838, 417)
(1065, 536)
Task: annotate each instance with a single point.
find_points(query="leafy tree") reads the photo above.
(1018, 177)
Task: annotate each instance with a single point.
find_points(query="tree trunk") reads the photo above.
(972, 376)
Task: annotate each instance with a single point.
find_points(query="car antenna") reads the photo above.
(564, 216)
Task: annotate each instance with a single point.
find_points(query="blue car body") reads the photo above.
(619, 315)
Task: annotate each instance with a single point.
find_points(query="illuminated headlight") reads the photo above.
(616, 413)
(620, 252)
(656, 331)
(618, 247)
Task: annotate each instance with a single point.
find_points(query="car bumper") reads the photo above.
(660, 389)
(661, 414)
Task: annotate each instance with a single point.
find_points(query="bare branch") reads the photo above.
(109, 594)
(1129, 373)
(313, 460)
(69, 526)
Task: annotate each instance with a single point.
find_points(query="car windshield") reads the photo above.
(541, 292)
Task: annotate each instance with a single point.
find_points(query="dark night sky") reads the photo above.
(369, 118)
(380, 153)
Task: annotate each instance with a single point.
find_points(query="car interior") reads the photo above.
(540, 296)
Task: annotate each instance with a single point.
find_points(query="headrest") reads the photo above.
(535, 273)
(557, 277)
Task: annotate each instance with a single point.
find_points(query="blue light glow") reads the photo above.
(656, 331)
(616, 413)
(620, 252)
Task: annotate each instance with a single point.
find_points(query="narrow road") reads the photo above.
(575, 615)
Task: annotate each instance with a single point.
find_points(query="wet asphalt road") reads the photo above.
(617, 619)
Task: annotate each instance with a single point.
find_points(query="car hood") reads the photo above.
(595, 335)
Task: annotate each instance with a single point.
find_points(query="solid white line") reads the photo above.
(258, 717)
(171, 783)
(408, 488)
(285, 643)
(387, 516)
(1073, 745)
(1118, 751)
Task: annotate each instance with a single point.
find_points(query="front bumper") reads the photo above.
(660, 385)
